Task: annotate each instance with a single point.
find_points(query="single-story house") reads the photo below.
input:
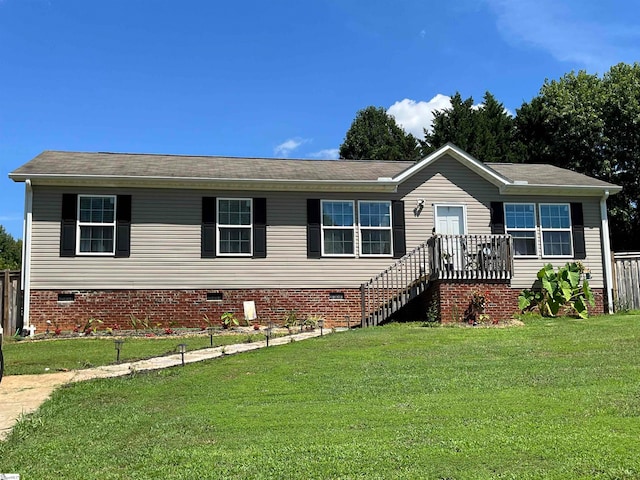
(174, 238)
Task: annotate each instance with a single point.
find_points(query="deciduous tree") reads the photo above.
(375, 135)
(591, 124)
(10, 251)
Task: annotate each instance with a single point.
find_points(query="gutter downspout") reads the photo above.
(606, 251)
(26, 251)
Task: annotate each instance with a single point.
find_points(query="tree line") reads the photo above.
(581, 121)
(10, 251)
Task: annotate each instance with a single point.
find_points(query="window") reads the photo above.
(96, 224)
(337, 227)
(375, 228)
(555, 224)
(520, 223)
(234, 226)
(332, 228)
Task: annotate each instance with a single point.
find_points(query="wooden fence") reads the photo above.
(626, 288)
(10, 301)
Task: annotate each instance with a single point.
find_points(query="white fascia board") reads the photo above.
(559, 190)
(460, 155)
(381, 185)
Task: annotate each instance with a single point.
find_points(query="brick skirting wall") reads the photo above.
(186, 308)
(454, 298)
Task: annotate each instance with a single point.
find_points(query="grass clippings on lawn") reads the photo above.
(556, 398)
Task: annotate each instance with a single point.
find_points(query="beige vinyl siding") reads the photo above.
(165, 237)
(165, 247)
(446, 182)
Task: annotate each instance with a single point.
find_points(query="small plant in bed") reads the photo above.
(228, 320)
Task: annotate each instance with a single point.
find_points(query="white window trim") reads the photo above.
(323, 228)
(224, 225)
(361, 228)
(80, 224)
(534, 229)
(542, 230)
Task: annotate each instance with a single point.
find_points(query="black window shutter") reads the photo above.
(497, 218)
(314, 246)
(68, 225)
(259, 228)
(577, 228)
(399, 241)
(123, 225)
(208, 234)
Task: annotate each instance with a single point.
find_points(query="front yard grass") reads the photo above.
(48, 356)
(557, 398)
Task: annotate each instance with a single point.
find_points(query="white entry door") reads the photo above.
(450, 220)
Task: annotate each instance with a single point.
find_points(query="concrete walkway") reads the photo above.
(23, 394)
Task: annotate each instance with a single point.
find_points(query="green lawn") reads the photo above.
(553, 399)
(48, 356)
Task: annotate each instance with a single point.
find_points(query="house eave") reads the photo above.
(381, 185)
(559, 190)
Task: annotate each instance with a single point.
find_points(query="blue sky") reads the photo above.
(272, 78)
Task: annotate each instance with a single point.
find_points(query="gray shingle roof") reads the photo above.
(206, 167)
(544, 174)
(239, 170)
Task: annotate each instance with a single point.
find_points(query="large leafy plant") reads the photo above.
(559, 289)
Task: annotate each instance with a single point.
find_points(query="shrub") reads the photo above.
(559, 289)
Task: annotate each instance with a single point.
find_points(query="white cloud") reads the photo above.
(414, 116)
(326, 154)
(423, 33)
(285, 148)
(568, 31)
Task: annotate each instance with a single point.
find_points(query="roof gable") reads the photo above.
(519, 178)
(463, 157)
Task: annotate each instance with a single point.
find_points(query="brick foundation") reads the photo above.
(186, 308)
(454, 299)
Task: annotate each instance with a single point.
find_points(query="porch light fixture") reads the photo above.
(321, 325)
(118, 343)
(183, 349)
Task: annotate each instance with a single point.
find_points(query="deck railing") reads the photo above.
(470, 257)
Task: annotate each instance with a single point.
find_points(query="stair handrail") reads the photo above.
(386, 292)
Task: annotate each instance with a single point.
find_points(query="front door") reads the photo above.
(450, 220)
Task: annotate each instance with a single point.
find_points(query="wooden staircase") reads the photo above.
(392, 289)
(442, 257)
